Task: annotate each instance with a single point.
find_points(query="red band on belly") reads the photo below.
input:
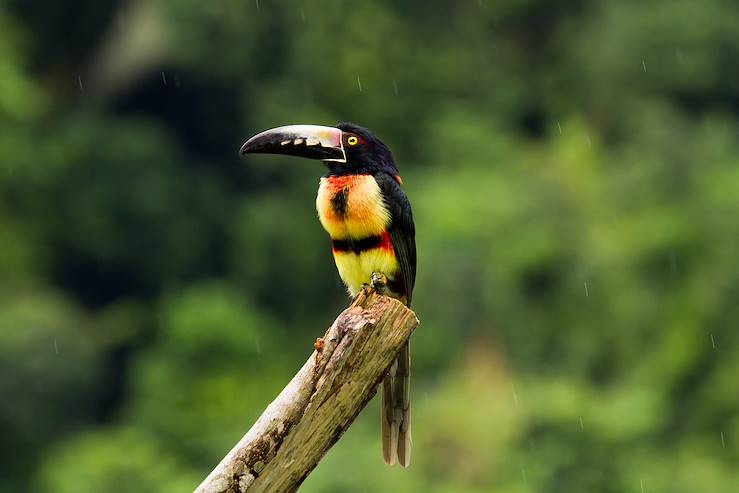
(387, 242)
(383, 241)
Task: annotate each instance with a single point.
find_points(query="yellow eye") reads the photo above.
(352, 141)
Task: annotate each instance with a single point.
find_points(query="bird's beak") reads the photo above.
(311, 141)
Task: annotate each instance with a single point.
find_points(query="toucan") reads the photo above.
(362, 206)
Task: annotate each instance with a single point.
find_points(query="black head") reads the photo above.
(346, 148)
(364, 151)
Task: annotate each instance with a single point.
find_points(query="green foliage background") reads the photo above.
(574, 171)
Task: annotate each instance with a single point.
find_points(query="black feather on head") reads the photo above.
(369, 154)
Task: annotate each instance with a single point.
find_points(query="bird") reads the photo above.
(362, 206)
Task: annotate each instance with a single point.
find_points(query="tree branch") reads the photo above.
(320, 402)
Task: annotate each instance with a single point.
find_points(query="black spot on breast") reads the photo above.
(339, 202)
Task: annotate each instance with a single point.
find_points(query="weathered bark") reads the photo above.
(321, 401)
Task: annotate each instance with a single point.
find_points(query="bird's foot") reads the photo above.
(379, 282)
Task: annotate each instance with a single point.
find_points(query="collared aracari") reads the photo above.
(368, 216)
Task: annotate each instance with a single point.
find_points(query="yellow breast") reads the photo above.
(351, 207)
(356, 269)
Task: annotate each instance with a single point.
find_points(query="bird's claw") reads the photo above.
(379, 282)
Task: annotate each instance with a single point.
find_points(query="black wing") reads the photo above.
(402, 230)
